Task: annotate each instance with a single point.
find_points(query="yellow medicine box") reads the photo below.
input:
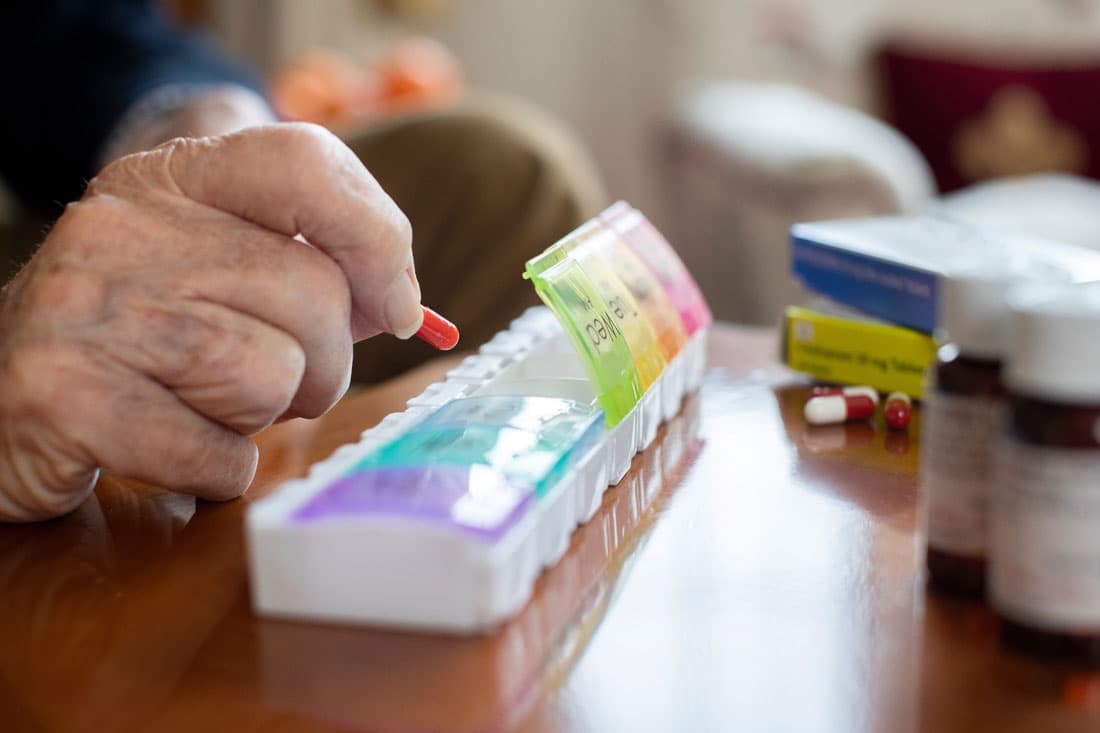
(848, 350)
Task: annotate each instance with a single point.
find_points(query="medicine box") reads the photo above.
(889, 267)
(835, 346)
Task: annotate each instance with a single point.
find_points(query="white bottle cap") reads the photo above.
(973, 312)
(1054, 342)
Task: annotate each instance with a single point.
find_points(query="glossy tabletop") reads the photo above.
(750, 573)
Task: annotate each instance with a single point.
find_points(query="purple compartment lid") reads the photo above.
(476, 500)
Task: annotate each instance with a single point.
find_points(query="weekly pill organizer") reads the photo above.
(442, 516)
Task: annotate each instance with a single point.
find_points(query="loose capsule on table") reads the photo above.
(897, 410)
(838, 408)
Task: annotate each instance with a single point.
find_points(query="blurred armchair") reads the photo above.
(742, 162)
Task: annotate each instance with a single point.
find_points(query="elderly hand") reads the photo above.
(175, 310)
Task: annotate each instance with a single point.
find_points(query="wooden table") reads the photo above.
(750, 573)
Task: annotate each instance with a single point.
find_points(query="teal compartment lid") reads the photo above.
(531, 440)
(554, 420)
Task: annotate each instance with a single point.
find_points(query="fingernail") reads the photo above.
(402, 307)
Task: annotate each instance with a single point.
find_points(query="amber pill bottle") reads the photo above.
(1045, 507)
(961, 416)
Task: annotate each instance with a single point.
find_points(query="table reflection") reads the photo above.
(777, 591)
(751, 573)
(406, 682)
(104, 610)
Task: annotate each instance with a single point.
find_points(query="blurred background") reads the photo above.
(727, 121)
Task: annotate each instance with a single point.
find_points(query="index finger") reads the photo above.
(301, 179)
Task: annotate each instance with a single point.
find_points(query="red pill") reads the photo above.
(839, 408)
(897, 410)
(437, 330)
(823, 391)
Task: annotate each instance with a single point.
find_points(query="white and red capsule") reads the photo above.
(840, 405)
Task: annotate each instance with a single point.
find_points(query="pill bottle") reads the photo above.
(1045, 510)
(960, 418)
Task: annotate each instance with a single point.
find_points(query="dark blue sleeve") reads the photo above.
(74, 67)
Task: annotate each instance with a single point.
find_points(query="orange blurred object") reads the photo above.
(420, 68)
(331, 89)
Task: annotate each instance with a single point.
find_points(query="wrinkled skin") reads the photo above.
(177, 309)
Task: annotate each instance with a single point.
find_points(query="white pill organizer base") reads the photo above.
(412, 574)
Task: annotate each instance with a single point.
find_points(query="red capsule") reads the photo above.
(897, 411)
(437, 330)
(838, 408)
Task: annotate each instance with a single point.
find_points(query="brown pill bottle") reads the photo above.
(961, 416)
(1045, 509)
